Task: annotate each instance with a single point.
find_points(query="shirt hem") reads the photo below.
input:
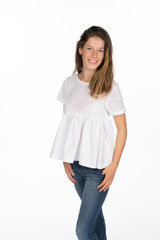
(81, 163)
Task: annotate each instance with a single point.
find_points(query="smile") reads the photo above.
(92, 61)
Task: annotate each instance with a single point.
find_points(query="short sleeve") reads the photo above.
(62, 95)
(115, 105)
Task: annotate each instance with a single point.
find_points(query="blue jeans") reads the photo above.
(91, 223)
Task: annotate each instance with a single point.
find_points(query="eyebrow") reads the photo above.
(92, 46)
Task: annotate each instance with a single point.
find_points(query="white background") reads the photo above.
(37, 47)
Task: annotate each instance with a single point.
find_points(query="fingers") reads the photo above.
(70, 176)
(104, 185)
(69, 172)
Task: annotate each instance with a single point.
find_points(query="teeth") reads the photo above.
(92, 61)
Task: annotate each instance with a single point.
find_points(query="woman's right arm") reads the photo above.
(67, 166)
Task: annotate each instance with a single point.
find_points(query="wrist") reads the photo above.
(114, 163)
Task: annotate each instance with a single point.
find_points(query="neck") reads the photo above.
(86, 75)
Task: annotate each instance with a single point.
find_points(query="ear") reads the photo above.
(80, 51)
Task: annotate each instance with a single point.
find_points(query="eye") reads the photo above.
(89, 48)
(100, 50)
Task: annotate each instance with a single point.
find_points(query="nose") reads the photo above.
(94, 54)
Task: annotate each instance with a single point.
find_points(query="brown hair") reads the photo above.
(101, 82)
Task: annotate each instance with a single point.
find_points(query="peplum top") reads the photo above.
(85, 132)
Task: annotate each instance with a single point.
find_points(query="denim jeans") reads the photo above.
(91, 223)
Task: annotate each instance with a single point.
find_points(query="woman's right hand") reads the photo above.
(69, 171)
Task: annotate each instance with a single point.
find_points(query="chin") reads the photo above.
(92, 67)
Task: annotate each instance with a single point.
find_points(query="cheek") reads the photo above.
(101, 57)
(87, 54)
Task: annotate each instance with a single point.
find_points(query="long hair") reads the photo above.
(101, 82)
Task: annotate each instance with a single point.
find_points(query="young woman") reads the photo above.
(85, 140)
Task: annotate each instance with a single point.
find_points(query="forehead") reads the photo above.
(95, 42)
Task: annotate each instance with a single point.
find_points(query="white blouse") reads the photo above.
(85, 133)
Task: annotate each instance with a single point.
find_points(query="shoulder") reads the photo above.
(114, 85)
(69, 79)
(114, 89)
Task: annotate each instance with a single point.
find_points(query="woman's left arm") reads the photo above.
(109, 171)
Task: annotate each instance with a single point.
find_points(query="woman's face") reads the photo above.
(92, 53)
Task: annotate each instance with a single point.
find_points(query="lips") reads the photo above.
(92, 61)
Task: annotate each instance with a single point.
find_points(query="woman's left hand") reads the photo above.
(109, 172)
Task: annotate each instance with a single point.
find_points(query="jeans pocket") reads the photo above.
(97, 170)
